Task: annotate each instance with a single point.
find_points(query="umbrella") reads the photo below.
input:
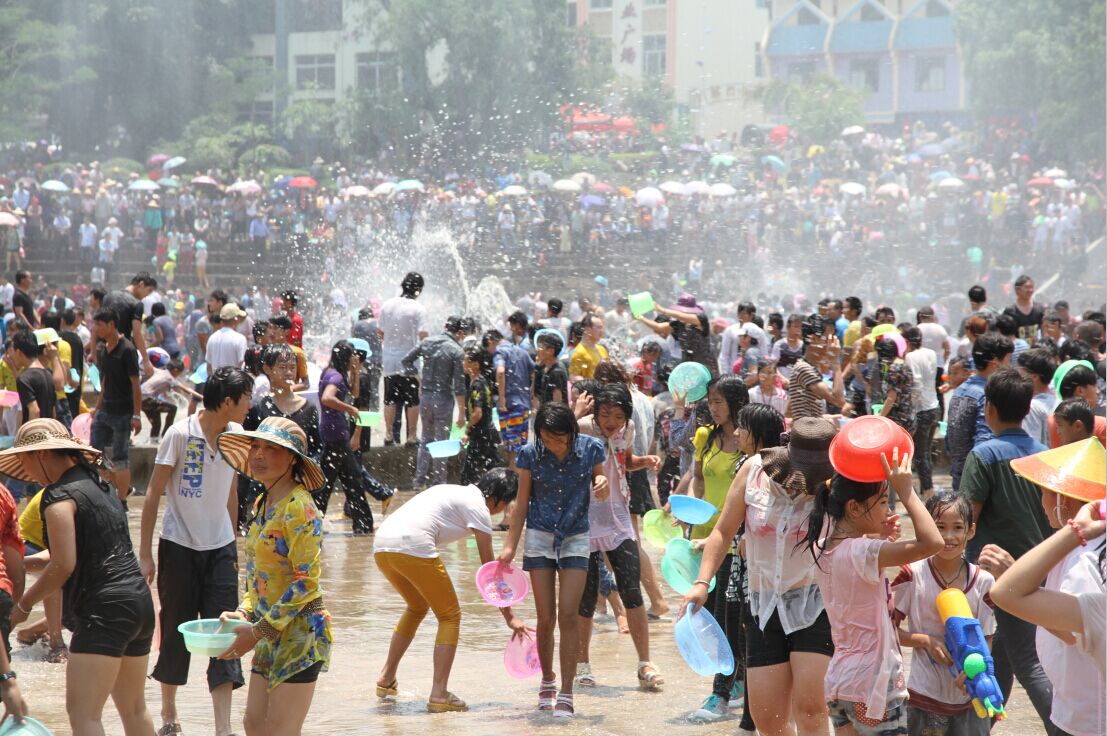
(204, 181)
(723, 159)
(853, 188)
(1040, 181)
(303, 182)
(773, 161)
(157, 160)
(583, 178)
(1064, 183)
(779, 135)
(53, 185)
(698, 187)
(8, 219)
(814, 150)
(692, 147)
(891, 189)
(245, 187)
(410, 185)
(143, 185)
(173, 162)
(539, 179)
(169, 182)
(937, 176)
(951, 182)
(602, 187)
(852, 130)
(930, 150)
(566, 185)
(514, 190)
(384, 188)
(1056, 174)
(722, 189)
(358, 190)
(673, 187)
(649, 197)
(592, 200)
(949, 145)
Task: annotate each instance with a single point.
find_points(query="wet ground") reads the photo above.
(365, 609)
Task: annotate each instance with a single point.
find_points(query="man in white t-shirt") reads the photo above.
(226, 347)
(402, 325)
(197, 567)
(934, 336)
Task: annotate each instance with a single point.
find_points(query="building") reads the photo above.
(707, 51)
(903, 52)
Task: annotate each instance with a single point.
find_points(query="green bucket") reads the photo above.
(640, 303)
(658, 529)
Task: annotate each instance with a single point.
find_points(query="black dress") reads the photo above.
(483, 452)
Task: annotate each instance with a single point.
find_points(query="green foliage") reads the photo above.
(116, 167)
(1048, 59)
(650, 102)
(817, 109)
(215, 141)
(265, 156)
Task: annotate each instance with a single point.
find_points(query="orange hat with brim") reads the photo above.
(1075, 470)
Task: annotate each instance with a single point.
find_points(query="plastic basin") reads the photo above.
(6, 441)
(690, 379)
(703, 644)
(369, 418)
(658, 529)
(444, 448)
(640, 303)
(9, 398)
(29, 727)
(550, 331)
(82, 427)
(521, 656)
(877, 408)
(681, 566)
(501, 585)
(692, 510)
(208, 637)
(884, 329)
(855, 451)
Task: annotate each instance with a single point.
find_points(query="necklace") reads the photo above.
(947, 583)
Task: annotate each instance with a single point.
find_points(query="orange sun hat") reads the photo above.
(1075, 470)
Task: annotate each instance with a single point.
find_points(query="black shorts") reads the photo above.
(641, 500)
(123, 627)
(401, 390)
(773, 646)
(303, 677)
(6, 605)
(626, 565)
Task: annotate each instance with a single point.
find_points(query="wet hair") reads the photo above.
(814, 326)
(990, 346)
(588, 320)
(887, 312)
(145, 279)
(176, 365)
(550, 340)
(1005, 325)
(499, 485)
(341, 354)
(412, 284)
(854, 303)
(20, 275)
(1010, 393)
(1089, 330)
(650, 346)
(554, 306)
(576, 332)
(275, 353)
(289, 295)
(281, 321)
(1076, 409)
(976, 324)
(454, 325)
(977, 294)
(924, 313)
(937, 504)
(747, 307)
(518, 318)
(365, 313)
(1023, 280)
(913, 336)
(555, 418)
(734, 392)
(26, 343)
(227, 383)
(886, 351)
(157, 309)
(616, 395)
(52, 319)
(69, 316)
(831, 499)
(220, 296)
(480, 357)
(106, 315)
(1077, 377)
(587, 386)
(776, 319)
(260, 328)
(489, 337)
(98, 295)
(763, 422)
(1076, 350)
(610, 371)
(1038, 362)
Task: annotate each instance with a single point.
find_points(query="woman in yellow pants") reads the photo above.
(406, 553)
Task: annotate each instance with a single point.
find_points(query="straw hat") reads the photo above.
(41, 434)
(279, 431)
(1075, 470)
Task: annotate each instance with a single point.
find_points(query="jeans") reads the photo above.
(922, 463)
(1016, 656)
(112, 430)
(435, 412)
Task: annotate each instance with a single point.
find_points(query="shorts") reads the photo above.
(773, 646)
(116, 628)
(513, 430)
(303, 677)
(641, 499)
(965, 723)
(540, 552)
(400, 389)
(114, 430)
(626, 565)
(6, 605)
(846, 713)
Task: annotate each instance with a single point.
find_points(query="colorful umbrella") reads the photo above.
(514, 190)
(722, 189)
(951, 182)
(384, 188)
(852, 130)
(698, 187)
(673, 187)
(583, 178)
(602, 187)
(649, 197)
(723, 159)
(157, 160)
(169, 182)
(592, 200)
(566, 185)
(1040, 181)
(53, 185)
(173, 162)
(410, 185)
(937, 176)
(143, 185)
(7, 219)
(204, 181)
(303, 182)
(853, 188)
(358, 191)
(774, 161)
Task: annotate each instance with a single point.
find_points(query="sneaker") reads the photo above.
(712, 709)
(737, 694)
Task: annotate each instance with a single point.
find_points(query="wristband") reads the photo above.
(1079, 534)
(7, 676)
(19, 605)
(704, 583)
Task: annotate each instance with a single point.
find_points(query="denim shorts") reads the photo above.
(893, 722)
(540, 552)
(112, 430)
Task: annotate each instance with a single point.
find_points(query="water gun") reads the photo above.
(966, 644)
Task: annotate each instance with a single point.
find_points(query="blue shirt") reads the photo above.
(518, 370)
(840, 326)
(965, 424)
(560, 490)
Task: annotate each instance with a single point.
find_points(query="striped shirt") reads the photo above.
(801, 400)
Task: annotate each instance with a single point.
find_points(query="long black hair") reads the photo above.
(737, 396)
(763, 422)
(831, 499)
(555, 418)
(341, 354)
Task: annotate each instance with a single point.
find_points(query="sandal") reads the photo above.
(564, 707)
(452, 704)
(649, 677)
(547, 694)
(32, 641)
(388, 691)
(58, 655)
(584, 675)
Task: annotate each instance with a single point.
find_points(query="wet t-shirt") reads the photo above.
(1027, 323)
(695, 343)
(561, 489)
(334, 426)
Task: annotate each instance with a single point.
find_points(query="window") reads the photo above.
(377, 72)
(599, 4)
(864, 74)
(801, 71)
(256, 112)
(930, 74)
(315, 71)
(653, 55)
(654, 3)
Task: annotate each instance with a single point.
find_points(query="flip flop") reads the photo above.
(388, 691)
(653, 617)
(453, 704)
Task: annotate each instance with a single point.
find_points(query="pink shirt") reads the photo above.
(866, 667)
(609, 523)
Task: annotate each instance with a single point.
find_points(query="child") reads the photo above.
(550, 378)
(481, 438)
(864, 684)
(768, 390)
(612, 531)
(643, 367)
(1074, 420)
(558, 475)
(937, 703)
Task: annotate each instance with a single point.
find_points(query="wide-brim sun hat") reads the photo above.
(1076, 470)
(279, 431)
(41, 434)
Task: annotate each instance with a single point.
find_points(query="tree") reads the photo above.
(1044, 61)
(817, 109)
